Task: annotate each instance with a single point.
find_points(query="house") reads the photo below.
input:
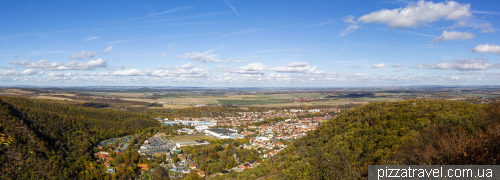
(108, 159)
(186, 130)
(192, 166)
(107, 164)
(245, 166)
(182, 157)
(102, 155)
(179, 167)
(142, 166)
(186, 170)
(201, 173)
(252, 163)
(169, 158)
(110, 170)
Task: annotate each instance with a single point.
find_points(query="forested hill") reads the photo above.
(430, 132)
(44, 139)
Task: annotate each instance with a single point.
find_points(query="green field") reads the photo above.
(210, 101)
(168, 97)
(482, 95)
(263, 101)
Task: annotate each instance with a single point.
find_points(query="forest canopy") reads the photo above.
(55, 140)
(429, 132)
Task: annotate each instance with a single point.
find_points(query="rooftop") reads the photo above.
(220, 131)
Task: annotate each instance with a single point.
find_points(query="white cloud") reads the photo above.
(471, 73)
(398, 65)
(260, 68)
(179, 72)
(47, 65)
(487, 48)
(461, 24)
(351, 28)
(418, 13)
(23, 62)
(83, 55)
(485, 27)
(184, 66)
(107, 50)
(298, 67)
(489, 30)
(90, 38)
(380, 65)
(171, 46)
(253, 68)
(230, 60)
(348, 19)
(164, 53)
(399, 70)
(461, 65)
(148, 55)
(54, 74)
(355, 67)
(454, 35)
(20, 73)
(202, 57)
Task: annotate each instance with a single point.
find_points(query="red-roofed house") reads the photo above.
(201, 173)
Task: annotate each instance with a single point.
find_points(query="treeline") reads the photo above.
(430, 132)
(54, 140)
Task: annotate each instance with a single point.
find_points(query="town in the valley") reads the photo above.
(261, 134)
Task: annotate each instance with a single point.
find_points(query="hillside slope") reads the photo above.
(53, 140)
(431, 132)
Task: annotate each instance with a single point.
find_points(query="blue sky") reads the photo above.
(249, 43)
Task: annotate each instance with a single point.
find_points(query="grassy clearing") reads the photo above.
(191, 138)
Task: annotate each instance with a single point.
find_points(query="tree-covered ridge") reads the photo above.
(55, 141)
(380, 133)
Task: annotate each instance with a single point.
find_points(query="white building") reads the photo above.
(296, 110)
(314, 111)
(186, 130)
(201, 128)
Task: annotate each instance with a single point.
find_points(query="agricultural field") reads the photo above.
(188, 138)
(173, 98)
(15, 92)
(380, 99)
(131, 95)
(53, 98)
(311, 103)
(257, 101)
(176, 106)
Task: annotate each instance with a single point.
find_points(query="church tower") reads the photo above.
(235, 156)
